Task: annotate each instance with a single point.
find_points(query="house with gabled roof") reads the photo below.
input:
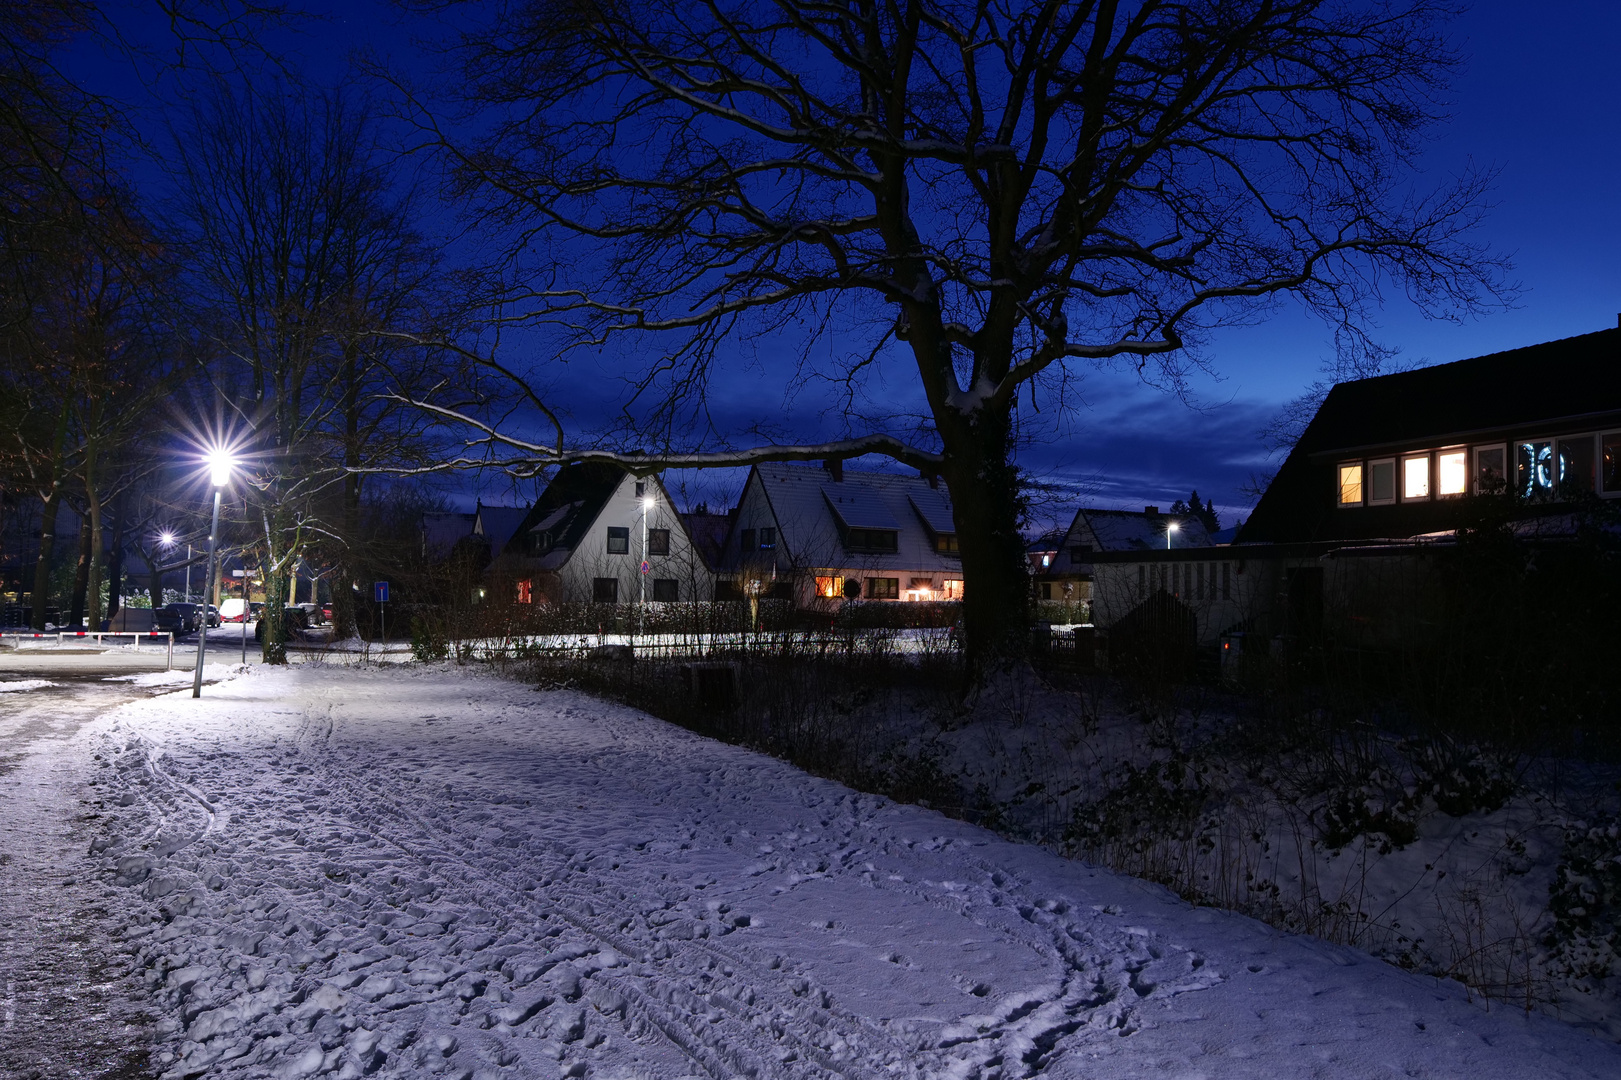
(599, 534)
(823, 535)
(1065, 570)
(1388, 470)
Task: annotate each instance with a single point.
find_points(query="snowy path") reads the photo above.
(415, 872)
(64, 1010)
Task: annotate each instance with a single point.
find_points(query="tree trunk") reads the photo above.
(115, 563)
(93, 577)
(273, 648)
(42, 566)
(985, 501)
(81, 577)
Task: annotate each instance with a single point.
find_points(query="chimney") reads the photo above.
(835, 469)
(931, 477)
(1151, 511)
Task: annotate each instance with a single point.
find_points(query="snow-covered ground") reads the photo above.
(413, 871)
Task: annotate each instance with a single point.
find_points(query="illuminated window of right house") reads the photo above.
(1351, 484)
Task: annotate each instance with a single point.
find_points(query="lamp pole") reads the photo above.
(202, 631)
(220, 474)
(641, 578)
(188, 573)
(1169, 529)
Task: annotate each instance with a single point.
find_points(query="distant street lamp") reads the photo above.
(220, 465)
(1169, 529)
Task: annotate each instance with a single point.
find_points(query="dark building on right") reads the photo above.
(1345, 542)
(1395, 456)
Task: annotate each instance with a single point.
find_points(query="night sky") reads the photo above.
(1535, 99)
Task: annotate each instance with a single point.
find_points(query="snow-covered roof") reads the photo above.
(497, 524)
(440, 531)
(1133, 530)
(814, 511)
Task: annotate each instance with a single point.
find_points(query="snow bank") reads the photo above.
(409, 871)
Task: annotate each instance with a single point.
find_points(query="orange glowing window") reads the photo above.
(830, 588)
(951, 589)
(525, 592)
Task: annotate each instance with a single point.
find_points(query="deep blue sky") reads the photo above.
(1536, 98)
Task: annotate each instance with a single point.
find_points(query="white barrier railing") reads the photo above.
(62, 636)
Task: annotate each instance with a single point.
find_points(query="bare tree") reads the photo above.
(313, 287)
(1006, 191)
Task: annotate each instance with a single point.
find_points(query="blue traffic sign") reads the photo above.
(380, 591)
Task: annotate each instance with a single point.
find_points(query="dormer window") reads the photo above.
(946, 543)
(874, 541)
(540, 543)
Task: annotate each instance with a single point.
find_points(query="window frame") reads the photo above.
(1598, 465)
(768, 538)
(829, 588)
(1429, 477)
(674, 585)
(597, 590)
(892, 591)
(746, 540)
(1435, 472)
(1395, 481)
(852, 544)
(1474, 469)
(951, 589)
(1340, 470)
(658, 541)
(1595, 447)
(623, 537)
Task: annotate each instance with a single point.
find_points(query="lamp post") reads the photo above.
(219, 474)
(1170, 528)
(641, 595)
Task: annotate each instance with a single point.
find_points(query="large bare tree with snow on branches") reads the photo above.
(1015, 189)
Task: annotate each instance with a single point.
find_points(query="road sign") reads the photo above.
(645, 566)
(380, 592)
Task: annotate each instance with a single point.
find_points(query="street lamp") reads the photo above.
(219, 463)
(1170, 528)
(641, 605)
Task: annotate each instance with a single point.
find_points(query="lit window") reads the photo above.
(883, 588)
(768, 539)
(829, 588)
(1491, 469)
(1046, 560)
(618, 540)
(1382, 482)
(951, 589)
(658, 541)
(525, 596)
(946, 543)
(1415, 477)
(1451, 472)
(1351, 484)
(1533, 469)
(1576, 465)
(1610, 464)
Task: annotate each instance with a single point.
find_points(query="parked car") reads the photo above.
(177, 618)
(293, 621)
(233, 609)
(213, 615)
